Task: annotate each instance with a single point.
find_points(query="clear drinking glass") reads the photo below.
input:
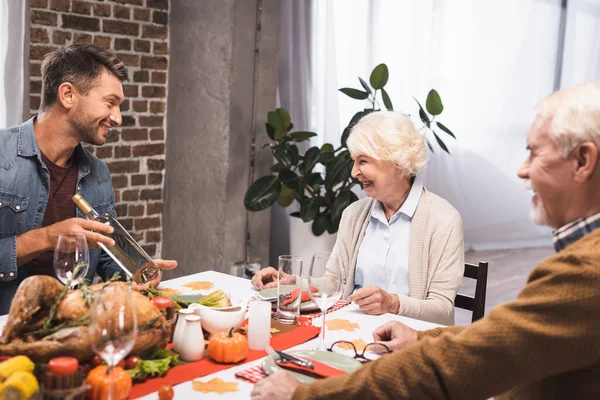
(71, 258)
(289, 287)
(113, 326)
(325, 285)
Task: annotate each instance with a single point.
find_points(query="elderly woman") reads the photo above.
(401, 248)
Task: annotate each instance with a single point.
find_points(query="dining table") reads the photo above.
(240, 290)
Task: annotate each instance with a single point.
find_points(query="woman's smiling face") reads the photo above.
(378, 178)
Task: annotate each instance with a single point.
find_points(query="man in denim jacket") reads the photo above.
(42, 165)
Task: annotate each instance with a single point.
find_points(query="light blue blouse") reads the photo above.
(383, 255)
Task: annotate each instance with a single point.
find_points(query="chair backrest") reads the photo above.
(475, 304)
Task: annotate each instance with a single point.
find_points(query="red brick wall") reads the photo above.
(137, 30)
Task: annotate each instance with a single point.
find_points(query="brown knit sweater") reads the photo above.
(544, 345)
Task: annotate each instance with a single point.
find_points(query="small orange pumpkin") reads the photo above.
(228, 348)
(99, 381)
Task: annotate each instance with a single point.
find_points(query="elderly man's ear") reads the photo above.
(586, 156)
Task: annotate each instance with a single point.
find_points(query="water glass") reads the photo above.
(289, 288)
(71, 258)
(325, 285)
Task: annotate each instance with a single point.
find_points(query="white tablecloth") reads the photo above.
(241, 289)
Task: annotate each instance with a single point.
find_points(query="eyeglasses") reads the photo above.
(370, 352)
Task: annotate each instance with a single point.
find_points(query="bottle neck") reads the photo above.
(92, 214)
(85, 207)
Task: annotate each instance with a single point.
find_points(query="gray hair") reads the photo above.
(574, 115)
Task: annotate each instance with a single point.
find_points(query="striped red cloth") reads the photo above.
(252, 375)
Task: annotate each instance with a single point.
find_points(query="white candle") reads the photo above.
(259, 325)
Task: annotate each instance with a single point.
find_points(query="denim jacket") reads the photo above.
(24, 186)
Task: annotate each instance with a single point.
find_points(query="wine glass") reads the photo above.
(113, 326)
(71, 258)
(325, 285)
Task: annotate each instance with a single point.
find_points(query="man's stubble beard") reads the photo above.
(85, 128)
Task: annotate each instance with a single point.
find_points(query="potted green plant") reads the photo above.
(323, 193)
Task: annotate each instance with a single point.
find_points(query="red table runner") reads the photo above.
(187, 372)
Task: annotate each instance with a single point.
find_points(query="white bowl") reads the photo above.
(215, 320)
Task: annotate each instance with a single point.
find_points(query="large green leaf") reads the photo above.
(327, 148)
(262, 193)
(340, 204)
(270, 130)
(302, 136)
(355, 93)
(274, 119)
(386, 100)
(441, 143)
(445, 129)
(292, 151)
(278, 167)
(319, 225)
(311, 157)
(434, 103)
(326, 157)
(308, 210)
(423, 114)
(286, 197)
(339, 170)
(364, 84)
(289, 179)
(379, 76)
(285, 117)
(282, 154)
(313, 179)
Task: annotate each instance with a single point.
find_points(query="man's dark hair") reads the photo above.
(79, 64)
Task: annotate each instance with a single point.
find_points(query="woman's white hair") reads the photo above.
(574, 114)
(389, 136)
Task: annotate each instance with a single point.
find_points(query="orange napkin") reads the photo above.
(294, 295)
(321, 370)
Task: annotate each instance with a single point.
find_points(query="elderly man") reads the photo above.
(546, 344)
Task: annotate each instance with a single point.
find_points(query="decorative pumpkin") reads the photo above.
(228, 348)
(99, 381)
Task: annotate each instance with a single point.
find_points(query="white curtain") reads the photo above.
(295, 54)
(491, 61)
(582, 43)
(12, 34)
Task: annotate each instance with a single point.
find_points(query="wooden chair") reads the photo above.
(475, 304)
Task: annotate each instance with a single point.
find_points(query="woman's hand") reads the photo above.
(374, 300)
(266, 278)
(395, 335)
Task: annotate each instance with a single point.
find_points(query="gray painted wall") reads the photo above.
(222, 81)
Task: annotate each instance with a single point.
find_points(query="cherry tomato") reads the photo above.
(166, 392)
(63, 365)
(4, 358)
(95, 361)
(162, 302)
(122, 364)
(131, 362)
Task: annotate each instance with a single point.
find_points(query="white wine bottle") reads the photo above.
(126, 252)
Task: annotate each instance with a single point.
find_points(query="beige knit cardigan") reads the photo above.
(436, 256)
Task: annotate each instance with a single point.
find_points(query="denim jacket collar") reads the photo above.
(28, 147)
